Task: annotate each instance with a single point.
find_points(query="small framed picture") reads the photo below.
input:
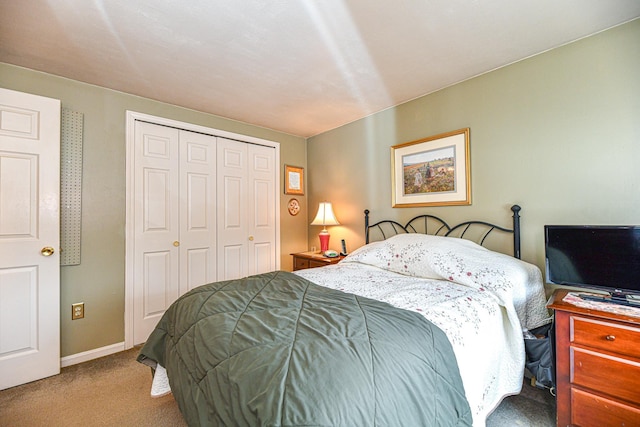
(432, 171)
(293, 180)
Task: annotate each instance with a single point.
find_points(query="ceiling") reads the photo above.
(301, 67)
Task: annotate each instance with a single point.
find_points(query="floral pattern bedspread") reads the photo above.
(481, 299)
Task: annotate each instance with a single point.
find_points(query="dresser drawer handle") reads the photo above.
(610, 338)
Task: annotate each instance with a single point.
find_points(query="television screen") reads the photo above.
(602, 257)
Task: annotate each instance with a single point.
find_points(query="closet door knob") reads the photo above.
(176, 243)
(251, 238)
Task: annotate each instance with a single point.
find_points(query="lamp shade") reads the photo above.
(325, 215)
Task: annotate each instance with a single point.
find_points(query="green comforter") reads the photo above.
(277, 350)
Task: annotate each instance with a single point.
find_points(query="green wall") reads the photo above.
(558, 134)
(99, 281)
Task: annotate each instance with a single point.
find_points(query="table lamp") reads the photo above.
(324, 217)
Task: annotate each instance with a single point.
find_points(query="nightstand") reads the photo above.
(302, 260)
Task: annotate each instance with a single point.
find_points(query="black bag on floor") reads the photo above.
(540, 353)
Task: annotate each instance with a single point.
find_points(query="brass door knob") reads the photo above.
(251, 238)
(47, 251)
(176, 243)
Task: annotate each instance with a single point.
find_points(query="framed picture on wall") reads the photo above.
(432, 171)
(293, 180)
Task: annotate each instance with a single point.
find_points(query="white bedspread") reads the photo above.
(481, 299)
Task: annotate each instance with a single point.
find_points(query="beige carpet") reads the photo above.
(114, 391)
(110, 391)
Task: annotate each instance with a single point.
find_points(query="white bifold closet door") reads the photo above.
(175, 222)
(246, 209)
(204, 211)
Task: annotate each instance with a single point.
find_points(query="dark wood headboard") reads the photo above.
(430, 224)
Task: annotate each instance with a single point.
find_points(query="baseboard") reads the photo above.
(85, 356)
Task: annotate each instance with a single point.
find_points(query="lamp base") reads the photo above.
(324, 240)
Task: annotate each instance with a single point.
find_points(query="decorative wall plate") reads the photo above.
(294, 207)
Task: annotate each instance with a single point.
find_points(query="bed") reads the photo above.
(414, 329)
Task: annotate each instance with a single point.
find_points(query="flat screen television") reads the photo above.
(599, 257)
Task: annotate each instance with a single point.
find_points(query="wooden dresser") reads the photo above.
(302, 260)
(597, 366)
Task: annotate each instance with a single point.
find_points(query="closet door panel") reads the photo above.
(197, 210)
(233, 188)
(234, 262)
(199, 267)
(157, 202)
(156, 264)
(261, 201)
(231, 209)
(263, 258)
(158, 288)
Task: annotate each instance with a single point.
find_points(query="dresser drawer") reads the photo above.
(606, 336)
(590, 410)
(300, 263)
(597, 366)
(614, 376)
(317, 263)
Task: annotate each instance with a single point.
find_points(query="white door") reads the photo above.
(246, 209)
(233, 237)
(29, 238)
(174, 215)
(197, 210)
(261, 225)
(156, 244)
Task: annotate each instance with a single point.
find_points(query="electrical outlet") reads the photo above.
(77, 311)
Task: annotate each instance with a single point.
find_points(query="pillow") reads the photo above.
(406, 254)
